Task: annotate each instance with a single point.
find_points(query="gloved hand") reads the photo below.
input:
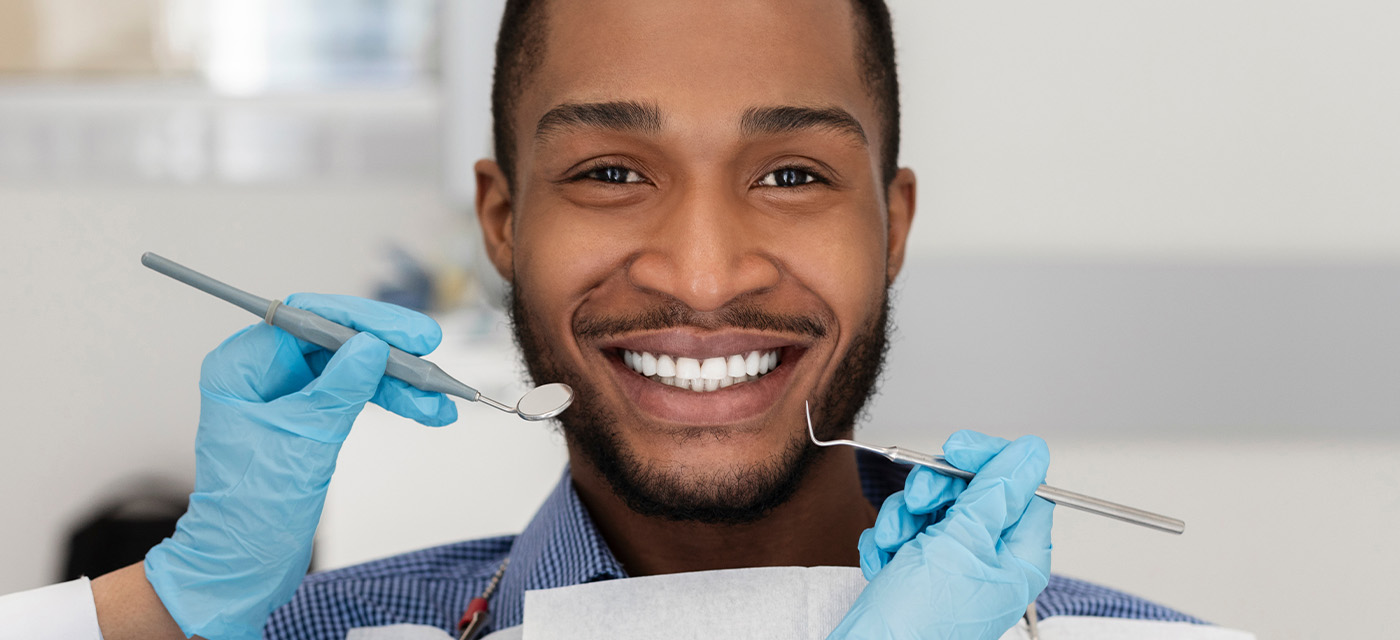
(955, 559)
(273, 414)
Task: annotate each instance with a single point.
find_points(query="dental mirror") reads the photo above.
(545, 402)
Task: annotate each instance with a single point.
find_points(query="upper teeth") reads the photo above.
(708, 374)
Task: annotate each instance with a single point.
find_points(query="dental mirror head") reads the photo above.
(545, 402)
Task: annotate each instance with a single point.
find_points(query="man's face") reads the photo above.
(698, 194)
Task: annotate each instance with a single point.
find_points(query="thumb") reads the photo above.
(326, 407)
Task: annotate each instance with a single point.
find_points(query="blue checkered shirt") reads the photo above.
(561, 547)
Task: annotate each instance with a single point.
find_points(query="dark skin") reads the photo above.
(703, 210)
(696, 204)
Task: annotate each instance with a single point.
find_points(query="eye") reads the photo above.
(790, 177)
(611, 174)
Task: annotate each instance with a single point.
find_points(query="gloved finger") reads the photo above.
(428, 408)
(928, 492)
(316, 357)
(1028, 539)
(325, 408)
(872, 557)
(403, 328)
(1000, 492)
(257, 364)
(896, 525)
(969, 450)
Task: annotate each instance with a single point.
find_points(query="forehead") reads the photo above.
(698, 61)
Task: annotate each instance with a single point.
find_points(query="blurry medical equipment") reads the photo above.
(1055, 495)
(540, 403)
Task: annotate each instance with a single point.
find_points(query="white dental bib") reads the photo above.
(767, 602)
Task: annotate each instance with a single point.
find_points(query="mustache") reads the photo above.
(675, 315)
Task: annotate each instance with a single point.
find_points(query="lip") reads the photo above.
(681, 407)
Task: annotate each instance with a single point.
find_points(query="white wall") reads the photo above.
(1232, 130)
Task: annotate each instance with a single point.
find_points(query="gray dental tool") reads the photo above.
(1057, 496)
(540, 403)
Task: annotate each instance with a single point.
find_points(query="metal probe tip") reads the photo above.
(1053, 494)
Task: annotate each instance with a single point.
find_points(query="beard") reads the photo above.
(734, 495)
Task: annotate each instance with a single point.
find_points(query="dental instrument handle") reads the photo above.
(240, 298)
(402, 364)
(1053, 494)
(937, 463)
(320, 331)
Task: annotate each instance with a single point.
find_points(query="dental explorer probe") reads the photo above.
(540, 403)
(1055, 495)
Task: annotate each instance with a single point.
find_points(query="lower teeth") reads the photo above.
(703, 384)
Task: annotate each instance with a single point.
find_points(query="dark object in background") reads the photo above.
(411, 284)
(121, 531)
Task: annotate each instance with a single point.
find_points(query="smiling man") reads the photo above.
(700, 236)
(698, 208)
(699, 211)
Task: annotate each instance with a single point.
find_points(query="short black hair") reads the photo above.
(520, 48)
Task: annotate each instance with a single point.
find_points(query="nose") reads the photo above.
(705, 251)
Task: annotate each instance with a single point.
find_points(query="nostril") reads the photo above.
(704, 280)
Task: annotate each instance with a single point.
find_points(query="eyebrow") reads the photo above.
(616, 116)
(789, 119)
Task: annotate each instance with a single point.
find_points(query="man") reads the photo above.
(680, 187)
(699, 211)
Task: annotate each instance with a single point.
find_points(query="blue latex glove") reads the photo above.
(955, 559)
(273, 414)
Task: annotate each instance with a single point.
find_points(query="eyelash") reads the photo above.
(587, 174)
(814, 176)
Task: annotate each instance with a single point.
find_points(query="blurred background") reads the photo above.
(1164, 236)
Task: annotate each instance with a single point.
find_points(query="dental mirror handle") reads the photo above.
(320, 331)
(402, 364)
(1053, 494)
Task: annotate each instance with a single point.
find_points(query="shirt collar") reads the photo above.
(561, 546)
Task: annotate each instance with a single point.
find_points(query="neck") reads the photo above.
(818, 526)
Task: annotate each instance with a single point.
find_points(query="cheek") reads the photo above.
(837, 254)
(559, 257)
(842, 260)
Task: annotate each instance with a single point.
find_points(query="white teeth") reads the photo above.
(735, 366)
(665, 367)
(713, 368)
(688, 368)
(709, 374)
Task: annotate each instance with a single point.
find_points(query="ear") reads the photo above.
(493, 211)
(900, 197)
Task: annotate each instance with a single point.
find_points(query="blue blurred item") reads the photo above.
(412, 285)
